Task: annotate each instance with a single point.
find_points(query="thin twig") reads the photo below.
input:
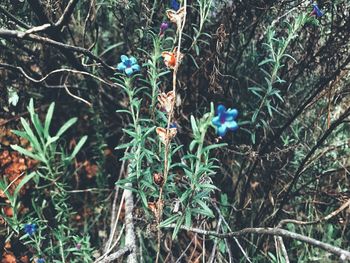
(112, 247)
(213, 252)
(63, 20)
(115, 223)
(326, 218)
(75, 96)
(343, 254)
(5, 33)
(235, 239)
(12, 182)
(117, 254)
(21, 70)
(187, 248)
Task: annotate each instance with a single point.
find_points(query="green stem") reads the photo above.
(62, 251)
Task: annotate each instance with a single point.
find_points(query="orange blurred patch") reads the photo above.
(8, 257)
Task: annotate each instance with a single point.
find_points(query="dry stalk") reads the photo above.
(168, 141)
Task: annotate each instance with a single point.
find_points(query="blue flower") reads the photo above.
(316, 10)
(128, 65)
(225, 120)
(30, 229)
(175, 5)
(40, 260)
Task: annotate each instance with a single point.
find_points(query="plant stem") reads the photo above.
(168, 141)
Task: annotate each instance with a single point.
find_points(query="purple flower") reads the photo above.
(30, 229)
(225, 120)
(175, 5)
(316, 10)
(164, 26)
(78, 246)
(128, 65)
(40, 260)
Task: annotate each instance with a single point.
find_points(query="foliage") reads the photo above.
(145, 82)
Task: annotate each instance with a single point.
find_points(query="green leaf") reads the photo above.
(123, 146)
(129, 179)
(78, 147)
(147, 184)
(51, 140)
(208, 186)
(21, 134)
(66, 126)
(169, 220)
(143, 198)
(188, 219)
(24, 180)
(194, 125)
(149, 131)
(268, 60)
(123, 111)
(185, 195)
(177, 227)
(131, 133)
(48, 119)
(192, 145)
(26, 152)
(38, 126)
(31, 137)
(213, 146)
(206, 210)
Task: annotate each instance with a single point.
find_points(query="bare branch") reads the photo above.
(5, 33)
(76, 97)
(21, 70)
(63, 20)
(326, 218)
(37, 29)
(117, 254)
(343, 254)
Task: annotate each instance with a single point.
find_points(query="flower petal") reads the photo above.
(231, 114)
(221, 109)
(174, 5)
(124, 58)
(121, 66)
(136, 67)
(133, 60)
(216, 121)
(221, 130)
(231, 125)
(316, 10)
(128, 71)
